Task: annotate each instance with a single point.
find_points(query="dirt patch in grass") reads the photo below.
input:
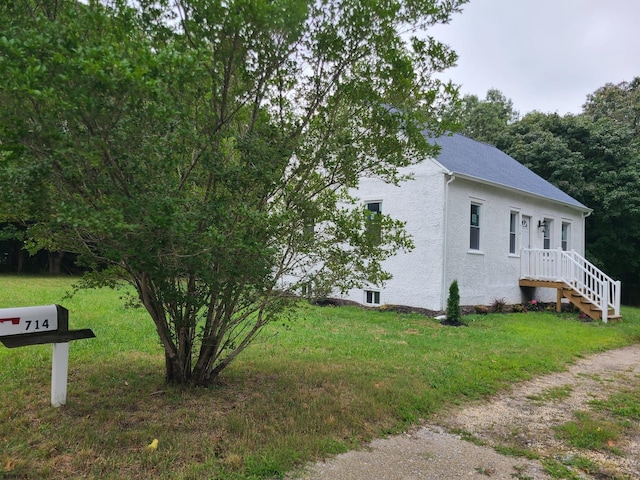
(547, 417)
(530, 432)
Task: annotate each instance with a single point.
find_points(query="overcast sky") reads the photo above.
(545, 55)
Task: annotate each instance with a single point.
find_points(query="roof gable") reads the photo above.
(463, 156)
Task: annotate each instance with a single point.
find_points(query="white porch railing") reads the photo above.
(577, 272)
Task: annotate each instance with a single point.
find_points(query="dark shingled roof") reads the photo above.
(481, 161)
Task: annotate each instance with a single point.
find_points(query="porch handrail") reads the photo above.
(576, 271)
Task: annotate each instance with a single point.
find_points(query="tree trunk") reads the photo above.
(20, 261)
(55, 263)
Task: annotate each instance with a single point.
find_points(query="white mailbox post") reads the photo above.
(24, 326)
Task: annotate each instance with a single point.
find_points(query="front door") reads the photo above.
(526, 234)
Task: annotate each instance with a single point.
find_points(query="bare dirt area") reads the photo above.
(464, 442)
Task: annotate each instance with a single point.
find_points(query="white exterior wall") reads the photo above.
(421, 278)
(417, 275)
(491, 272)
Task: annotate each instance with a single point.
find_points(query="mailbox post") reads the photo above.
(20, 327)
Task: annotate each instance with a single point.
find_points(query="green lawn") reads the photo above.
(319, 384)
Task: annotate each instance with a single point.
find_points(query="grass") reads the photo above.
(603, 428)
(332, 378)
(590, 433)
(624, 404)
(557, 469)
(571, 467)
(552, 394)
(512, 451)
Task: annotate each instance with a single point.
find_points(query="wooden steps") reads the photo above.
(585, 305)
(577, 298)
(575, 278)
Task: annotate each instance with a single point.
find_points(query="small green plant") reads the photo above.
(590, 433)
(499, 305)
(583, 317)
(581, 463)
(468, 437)
(553, 394)
(481, 309)
(454, 314)
(625, 404)
(516, 452)
(485, 471)
(563, 467)
(534, 306)
(556, 469)
(520, 475)
(518, 308)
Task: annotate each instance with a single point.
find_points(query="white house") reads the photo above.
(478, 216)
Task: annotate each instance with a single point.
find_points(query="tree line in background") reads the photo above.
(593, 156)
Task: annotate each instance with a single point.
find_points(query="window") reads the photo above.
(372, 297)
(308, 230)
(513, 232)
(547, 233)
(566, 229)
(474, 241)
(374, 231)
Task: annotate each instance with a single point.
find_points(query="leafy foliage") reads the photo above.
(186, 147)
(454, 313)
(484, 120)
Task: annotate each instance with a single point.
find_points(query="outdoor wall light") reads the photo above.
(543, 224)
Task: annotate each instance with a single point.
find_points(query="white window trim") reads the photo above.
(548, 231)
(373, 294)
(372, 217)
(367, 202)
(480, 205)
(518, 228)
(568, 223)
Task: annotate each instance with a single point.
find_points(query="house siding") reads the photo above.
(436, 207)
(417, 275)
(492, 272)
(421, 278)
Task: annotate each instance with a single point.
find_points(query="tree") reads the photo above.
(186, 147)
(620, 103)
(484, 120)
(453, 313)
(551, 146)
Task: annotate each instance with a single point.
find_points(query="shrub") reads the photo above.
(453, 303)
(498, 305)
(535, 306)
(481, 309)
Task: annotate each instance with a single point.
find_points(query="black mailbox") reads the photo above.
(20, 327)
(24, 326)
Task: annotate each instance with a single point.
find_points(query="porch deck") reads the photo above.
(575, 279)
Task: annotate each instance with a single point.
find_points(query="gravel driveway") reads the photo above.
(523, 417)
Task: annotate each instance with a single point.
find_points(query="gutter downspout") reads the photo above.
(445, 229)
(584, 232)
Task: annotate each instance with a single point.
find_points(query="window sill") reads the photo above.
(475, 252)
(514, 255)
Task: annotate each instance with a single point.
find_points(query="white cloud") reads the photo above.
(545, 55)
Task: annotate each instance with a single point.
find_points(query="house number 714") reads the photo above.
(37, 324)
